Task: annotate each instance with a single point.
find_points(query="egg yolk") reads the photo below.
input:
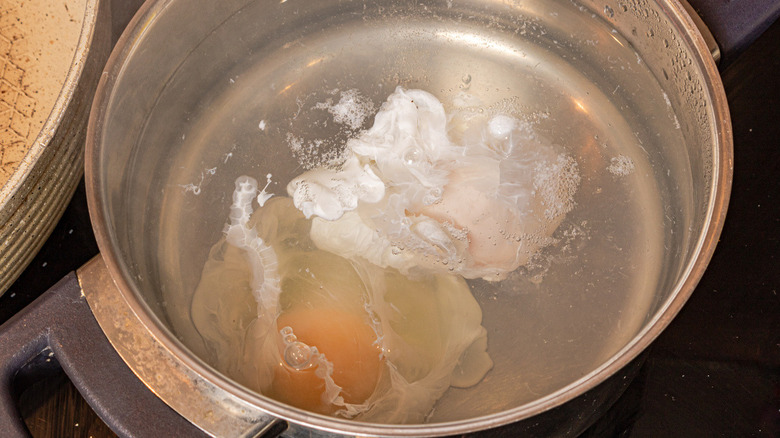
(347, 342)
(488, 224)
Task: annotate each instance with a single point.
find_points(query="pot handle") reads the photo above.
(59, 325)
(733, 24)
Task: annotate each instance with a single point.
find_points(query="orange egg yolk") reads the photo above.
(489, 223)
(346, 341)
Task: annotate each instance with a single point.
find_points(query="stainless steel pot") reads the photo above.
(167, 91)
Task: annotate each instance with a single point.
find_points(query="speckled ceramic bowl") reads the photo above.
(51, 56)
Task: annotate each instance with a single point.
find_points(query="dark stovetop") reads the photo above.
(715, 371)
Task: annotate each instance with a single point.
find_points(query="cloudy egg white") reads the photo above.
(327, 334)
(424, 191)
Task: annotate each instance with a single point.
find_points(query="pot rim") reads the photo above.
(694, 269)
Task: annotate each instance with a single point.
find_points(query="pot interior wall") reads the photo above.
(606, 84)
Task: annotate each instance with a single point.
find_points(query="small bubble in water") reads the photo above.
(298, 355)
(466, 79)
(412, 156)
